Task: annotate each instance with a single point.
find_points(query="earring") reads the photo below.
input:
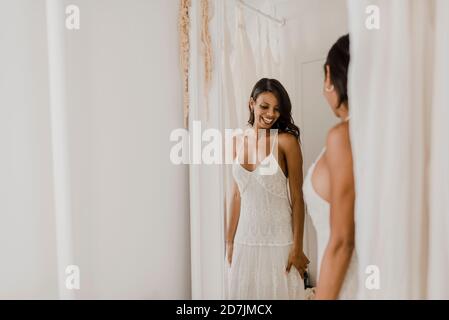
(330, 89)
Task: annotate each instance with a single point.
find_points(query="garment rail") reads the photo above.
(280, 22)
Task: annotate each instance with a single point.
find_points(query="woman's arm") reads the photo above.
(293, 156)
(233, 221)
(339, 250)
(234, 213)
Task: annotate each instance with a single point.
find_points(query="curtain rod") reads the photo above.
(281, 22)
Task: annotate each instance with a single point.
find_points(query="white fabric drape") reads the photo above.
(252, 59)
(398, 101)
(270, 67)
(243, 70)
(267, 37)
(437, 273)
(229, 99)
(84, 155)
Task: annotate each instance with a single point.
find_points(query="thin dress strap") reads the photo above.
(275, 141)
(238, 148)
(242, 145)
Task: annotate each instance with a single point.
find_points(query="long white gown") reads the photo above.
(264, 236)
(319, 211)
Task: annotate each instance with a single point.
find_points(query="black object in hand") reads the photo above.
(307, 284)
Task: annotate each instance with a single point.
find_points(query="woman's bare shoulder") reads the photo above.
(338, 141)
(338, 136)
(288, 143)
(287, 139)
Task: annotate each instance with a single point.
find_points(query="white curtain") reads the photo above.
(399, 106)
(437, 273)
(86, 176)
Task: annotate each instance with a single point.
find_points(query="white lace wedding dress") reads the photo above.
(264, 236)
(319, 211)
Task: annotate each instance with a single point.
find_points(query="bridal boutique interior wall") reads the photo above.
(27, 228)
(130, 205)
(313, 28)
(132, 227)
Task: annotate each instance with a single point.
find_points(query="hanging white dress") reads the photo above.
(270, 67)
(319, 211)
(243, 71)
(264, 237)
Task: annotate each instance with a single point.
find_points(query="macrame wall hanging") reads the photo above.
(207, 51)
(184, 29)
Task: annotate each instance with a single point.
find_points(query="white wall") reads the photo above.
(129, 203)
(27, 237)
(312, 28)
(125, 94)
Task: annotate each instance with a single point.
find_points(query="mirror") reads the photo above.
(287, 41)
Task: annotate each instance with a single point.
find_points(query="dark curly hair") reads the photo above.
(285, 121)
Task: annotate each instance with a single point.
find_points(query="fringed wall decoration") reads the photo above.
(207, 51)
(184, 29)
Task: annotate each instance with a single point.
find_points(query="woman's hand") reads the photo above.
(298, 260)
(229, 250)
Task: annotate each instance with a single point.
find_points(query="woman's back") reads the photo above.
(317, 196)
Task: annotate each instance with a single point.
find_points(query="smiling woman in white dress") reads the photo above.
(329, 188)
(264, 239)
